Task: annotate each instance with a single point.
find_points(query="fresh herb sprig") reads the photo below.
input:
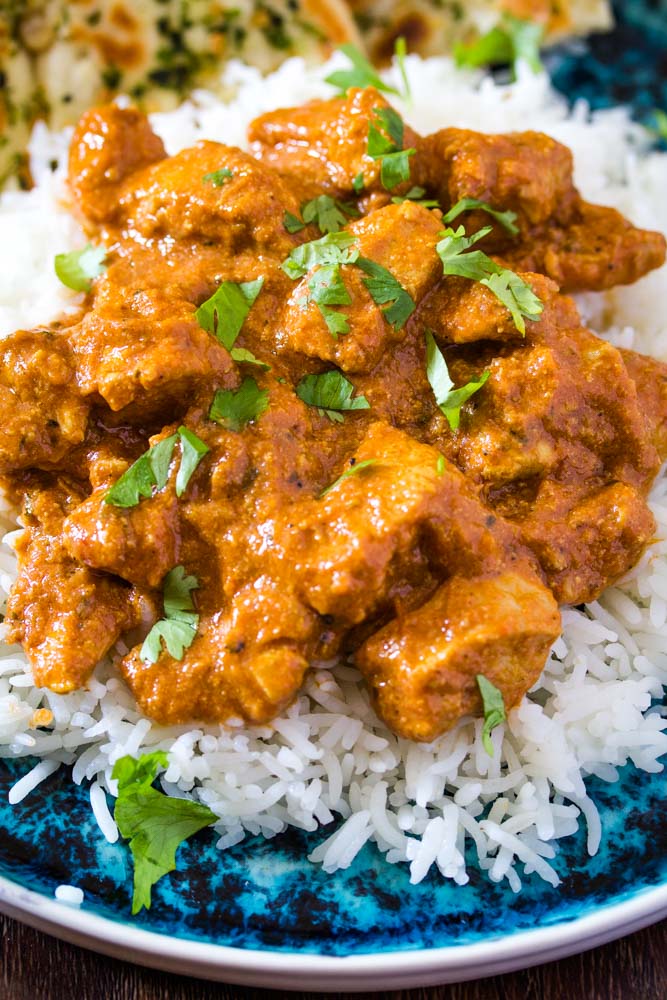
(512, 291)
(514, 39)
(218, 177)
(449, 399)
(78, 268)
(233, 409)
(154, 823)
(150, 472)
(328, 214)
(352, 471)
(494, 710)
(385, 289)
(179, 626)
(224, 313)
(385, 143)
(330, 393)
(506, 219)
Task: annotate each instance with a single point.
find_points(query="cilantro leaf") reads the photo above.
(77, 268)
(218, 177)
(179, 626)
(506, 219)
(328, 214)
(657, 124)
(330, 392)
(449, 399)
(511, 290)
(512, 40)
(416, 194)
(334, 248)
(516, 295)
(326, 288)
(401, 51)
(387, 146)
(224, 313)
(234, 408)
(150, 470)
(352, 471)
(193, 450)
(494, 710)
(248, 358)
(154, 823)
(361, 74)
(384, 288)
(440, 465)
(292, 223)
(358, 183)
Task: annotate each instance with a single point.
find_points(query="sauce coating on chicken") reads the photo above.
(255, 380)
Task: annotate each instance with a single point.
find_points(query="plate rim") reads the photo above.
(321, 973)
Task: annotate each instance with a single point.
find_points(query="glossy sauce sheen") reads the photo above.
(430, 570)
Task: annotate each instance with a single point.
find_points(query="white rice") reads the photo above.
(597, 705)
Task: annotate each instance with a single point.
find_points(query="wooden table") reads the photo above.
(37, 967)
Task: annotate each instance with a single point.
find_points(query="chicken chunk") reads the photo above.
(401, 239)
(326, 142)
(43, 415)
(422, 667)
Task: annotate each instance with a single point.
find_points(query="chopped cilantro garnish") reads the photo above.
(401, 51)
(218, 177)
(234, 408)
(494, 710)
(387, 146)
(512, 40)
(248, 358)
(361, 73)
(514, 293)
(151, 470)
(358, 183)
(292, 223)
(416, 194)
(326, 288)
(449, 399)
(77, 268)
(506, 219)
(330, 392)
(352, 471)
(334, 248)
(440, 465)
(154, 823)
(193, 450)
(179, 626)
(328, 214)
(657, 124)
(384, 288)
(224, 313)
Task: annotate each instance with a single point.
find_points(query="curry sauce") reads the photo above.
(178, 459)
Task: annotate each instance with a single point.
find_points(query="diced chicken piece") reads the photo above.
(140, 544)
(184, 197)
(584, 545)
(560, 399)
(650, 378)
(246, 663)
(43, 415)
(525, 172)
(461, 311)
(401, 238)
(65, 635)
(595, 249)
(108, 145)
(145, 351)
(326, 142)
(422, 667)
(354, 547)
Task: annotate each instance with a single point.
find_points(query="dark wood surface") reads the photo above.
(37, 967)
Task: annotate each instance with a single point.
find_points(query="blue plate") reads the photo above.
(261, 914)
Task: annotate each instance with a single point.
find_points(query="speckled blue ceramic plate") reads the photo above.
(260, 913)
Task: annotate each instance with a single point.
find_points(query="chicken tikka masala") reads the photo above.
(326, 396)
